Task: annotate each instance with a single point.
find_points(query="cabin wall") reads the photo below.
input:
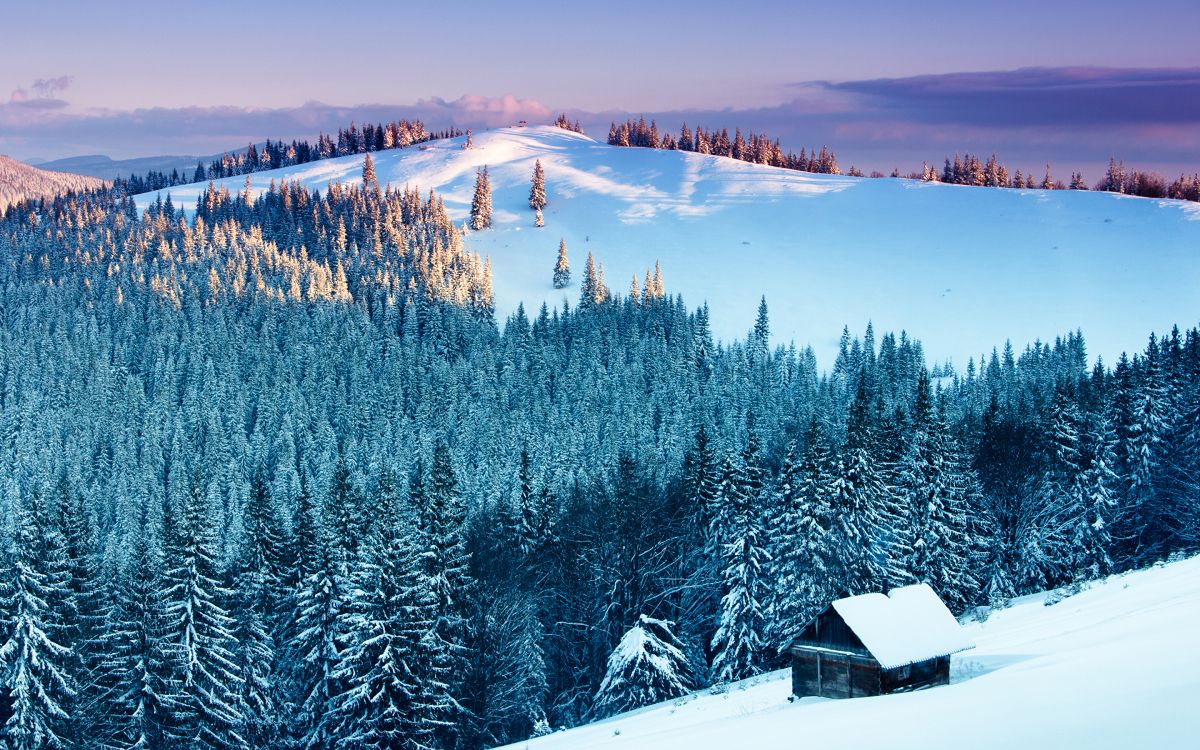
(833, 675)
(922, 674)
(806, 676)
(864, 678)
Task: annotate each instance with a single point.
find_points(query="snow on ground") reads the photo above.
(961, 268)
(1117, 666)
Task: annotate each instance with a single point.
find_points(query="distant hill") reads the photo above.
(19, 181)
(106, 168)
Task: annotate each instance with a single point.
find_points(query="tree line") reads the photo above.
(753, 147)
(277, 154)
(965, 169)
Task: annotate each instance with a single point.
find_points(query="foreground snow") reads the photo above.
(962, 268)
(1117, 666)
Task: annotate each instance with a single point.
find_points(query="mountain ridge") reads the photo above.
(19, 181)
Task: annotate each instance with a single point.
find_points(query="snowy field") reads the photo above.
(961, 268)
(1117, 666)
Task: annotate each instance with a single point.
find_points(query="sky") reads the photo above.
(885, 83)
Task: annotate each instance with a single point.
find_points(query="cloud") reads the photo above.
(1038, 97)
(47, 87)
(1075, 117)
(207, 130)
(40, 95)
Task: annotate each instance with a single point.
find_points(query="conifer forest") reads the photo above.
(274, 475)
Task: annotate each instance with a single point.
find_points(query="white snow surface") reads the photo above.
(960, 268)
(907, 625)
(1117, 666)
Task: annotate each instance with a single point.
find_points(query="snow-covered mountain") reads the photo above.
(1113, 667)
(961, 268)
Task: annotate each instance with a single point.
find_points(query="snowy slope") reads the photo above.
(961, 268)
(19, 181)
(1117, 666)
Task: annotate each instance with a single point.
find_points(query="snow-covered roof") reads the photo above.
(908, 625)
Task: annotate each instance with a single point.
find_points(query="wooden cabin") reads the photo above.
(875, 643)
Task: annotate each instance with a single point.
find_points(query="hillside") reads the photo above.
(1113, 667)
(19, 181)
(962, 268)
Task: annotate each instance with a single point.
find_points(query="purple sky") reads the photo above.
(1072, 82)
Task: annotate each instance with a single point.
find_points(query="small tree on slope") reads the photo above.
(481, 203)
(562, 268)
(537, 191)
(647, 666)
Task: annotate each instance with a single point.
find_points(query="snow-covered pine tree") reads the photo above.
(647, 666)
(1058, 498)
(204, 709)
(738, 643)
(539, 221)
(33, 666)
(856, 493)
(443, 519)
(592, 291)
(1144, 523)
(135, 672)
(1092, 538)
(370, 182)
(384, 699)
(537, 190)
(256, 596)
(935, 492)
(320, 603)
(799, 535)
(562, 267)
(481, 202)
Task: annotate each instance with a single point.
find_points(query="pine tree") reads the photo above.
(537, 191)
(592, 291)
(136, 670)
(204, 708)
(1092, 539)
(799, 531)
(859, 534)
(32, 664)
(256, 597)
(370, 183)
(738, 644)
(562, 268)
(647, 666)
(933, 536)
(481, 202)
(443, 520)
(384, 700)
(320, 603)
(1058, 495)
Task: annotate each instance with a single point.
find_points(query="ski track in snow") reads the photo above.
(960, 268)
(1116, 666)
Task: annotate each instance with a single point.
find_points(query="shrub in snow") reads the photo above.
(647, 666)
